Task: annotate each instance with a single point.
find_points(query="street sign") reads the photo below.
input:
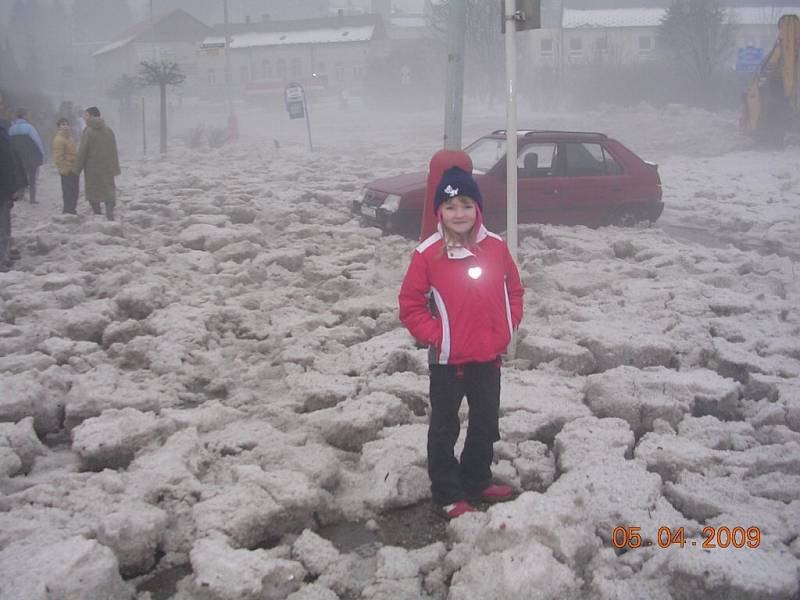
(295, 110)
(749, 59)
(528, 15)
(294, 97)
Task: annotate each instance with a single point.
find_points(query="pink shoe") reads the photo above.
(495, 493)
(452, 511)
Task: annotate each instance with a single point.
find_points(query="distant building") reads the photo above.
(630, 35)
(173, 36)
(328, 53)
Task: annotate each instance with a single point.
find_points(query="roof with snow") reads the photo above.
(253, 39)
(175, 25)
(326, 30)
(651, 17)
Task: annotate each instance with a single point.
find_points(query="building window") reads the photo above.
(244, 74)
(266, 69)
(358, 71)
(297, 68)
(280, 67)
(645, 44)
(601, 45)
(212, 77)
(546, 47)
(575, 46)
(321, 67)
(339, 71)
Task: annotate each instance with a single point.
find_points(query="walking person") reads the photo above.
(27, 144)
(462, 296)
(98, 159)
(65, 156)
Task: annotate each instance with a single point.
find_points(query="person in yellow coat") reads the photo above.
(65, 156)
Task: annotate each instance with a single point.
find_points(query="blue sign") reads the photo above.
(749, 58)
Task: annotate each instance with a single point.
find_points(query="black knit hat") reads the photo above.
(456, 182)
(93, 111)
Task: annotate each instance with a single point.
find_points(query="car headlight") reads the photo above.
(391, 204)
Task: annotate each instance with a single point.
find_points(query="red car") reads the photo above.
(564, 178)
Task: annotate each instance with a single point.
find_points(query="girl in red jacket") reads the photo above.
(462, 296)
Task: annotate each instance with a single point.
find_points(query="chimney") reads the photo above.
(247, 19)
(340, 12)
(265, 17)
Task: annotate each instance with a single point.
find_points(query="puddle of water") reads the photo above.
(409, 527)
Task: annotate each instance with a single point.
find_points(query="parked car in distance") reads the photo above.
(564, 178)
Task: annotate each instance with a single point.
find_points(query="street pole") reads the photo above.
(308, 121)
(233, 125)
(152, 32)
(511, 141)
(454, 87)
(144, 130)
(511, 128)
(227, 59)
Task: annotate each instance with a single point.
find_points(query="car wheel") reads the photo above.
(627, 216)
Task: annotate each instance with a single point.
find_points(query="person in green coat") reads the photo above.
(98, 159)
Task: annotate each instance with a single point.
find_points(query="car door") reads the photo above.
(538, 180)
(593, 183)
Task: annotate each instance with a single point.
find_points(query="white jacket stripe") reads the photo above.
(508, 310)
(444, 351)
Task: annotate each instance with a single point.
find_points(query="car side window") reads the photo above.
(536, 160)
(589, 160)
(612, 166)
(485, 153)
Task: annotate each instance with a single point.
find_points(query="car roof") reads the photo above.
(552, 134)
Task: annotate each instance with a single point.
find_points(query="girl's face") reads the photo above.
(459, 214)
(63, 127)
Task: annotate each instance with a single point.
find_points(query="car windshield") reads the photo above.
(485, 153)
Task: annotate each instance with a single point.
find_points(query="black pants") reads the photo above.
(70, 188)
(451, 479)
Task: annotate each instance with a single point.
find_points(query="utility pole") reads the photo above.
(454, 86)
(452, 154)
(510, 16)
(152, 32)
(227, 58)
(233, 127)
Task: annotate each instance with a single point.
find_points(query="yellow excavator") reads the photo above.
(771, 102)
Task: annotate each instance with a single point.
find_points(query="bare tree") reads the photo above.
(697, 37)
(161, 74)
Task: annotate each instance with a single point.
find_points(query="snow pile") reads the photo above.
(210, 381)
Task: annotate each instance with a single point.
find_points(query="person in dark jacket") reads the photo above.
(27, 144)
(11, 181)
(98, 158)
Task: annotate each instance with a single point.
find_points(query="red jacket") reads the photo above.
(477, 297)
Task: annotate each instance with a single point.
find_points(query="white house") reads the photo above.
(630, 35)
(325, 53)
(172, 36)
